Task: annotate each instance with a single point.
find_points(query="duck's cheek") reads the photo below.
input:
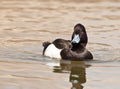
(52, 51)
(76, 39)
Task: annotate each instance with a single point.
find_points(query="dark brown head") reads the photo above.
(79, 35)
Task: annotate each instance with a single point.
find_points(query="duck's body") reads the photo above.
(54, 49)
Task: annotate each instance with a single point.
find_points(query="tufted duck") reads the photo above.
(69, 50)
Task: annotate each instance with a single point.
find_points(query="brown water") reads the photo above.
(25, 24)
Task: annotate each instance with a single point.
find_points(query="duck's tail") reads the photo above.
(45, 45)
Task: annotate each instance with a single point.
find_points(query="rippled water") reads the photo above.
(25, 24)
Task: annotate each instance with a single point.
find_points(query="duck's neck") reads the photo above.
(76, 46)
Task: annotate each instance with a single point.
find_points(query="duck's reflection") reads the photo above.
(77, 70)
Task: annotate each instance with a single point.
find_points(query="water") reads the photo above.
(25, 24)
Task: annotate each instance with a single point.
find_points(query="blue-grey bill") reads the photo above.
(76, 39)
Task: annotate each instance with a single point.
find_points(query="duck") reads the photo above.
(79, 41)
(74, 49)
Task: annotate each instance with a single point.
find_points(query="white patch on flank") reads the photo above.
(53, 52)
(76, 39)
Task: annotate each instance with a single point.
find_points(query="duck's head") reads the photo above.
(79, 35)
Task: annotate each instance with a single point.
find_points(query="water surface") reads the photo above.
(25, 24)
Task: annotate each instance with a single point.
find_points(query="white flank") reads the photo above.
(52, 51)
